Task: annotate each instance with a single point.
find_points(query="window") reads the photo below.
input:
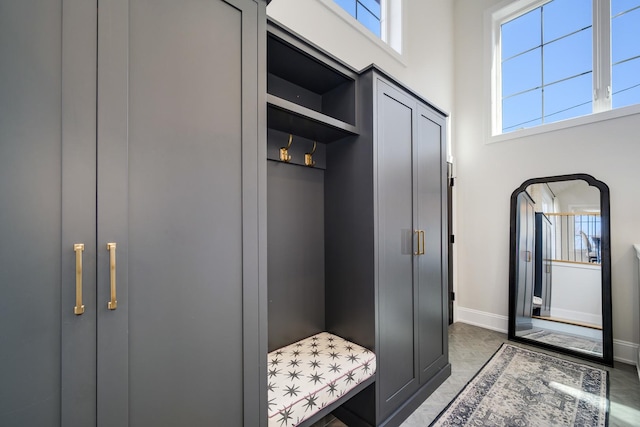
(587, 234)
(379, 20)
(552, 60)
(367, 12)
(625, 52)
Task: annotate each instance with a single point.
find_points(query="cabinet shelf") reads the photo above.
(309, 93)
(287, 116)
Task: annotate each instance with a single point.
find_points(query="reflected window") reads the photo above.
(587, 228)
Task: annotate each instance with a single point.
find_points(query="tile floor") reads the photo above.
(470, 347)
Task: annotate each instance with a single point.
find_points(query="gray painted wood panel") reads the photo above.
(185, 213)
(296, 266)
(350, 232)
(112, 215)
(254, 211)
(79, 210)
(30, 189)
(178, 182)
(396, 350)
(47, 203)
(430, 177)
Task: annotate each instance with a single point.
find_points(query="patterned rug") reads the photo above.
(520, 387)
(585, 345)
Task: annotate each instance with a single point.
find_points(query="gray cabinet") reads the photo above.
(525, 226)
(47, 203)
(411, 226)
(542, 275)
(159, 149)
(310, 94)
(387, 201)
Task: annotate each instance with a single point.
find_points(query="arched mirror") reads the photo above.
(560, 266)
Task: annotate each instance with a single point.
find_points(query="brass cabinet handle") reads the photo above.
(111, 247)
(78, 249)
(420, 239)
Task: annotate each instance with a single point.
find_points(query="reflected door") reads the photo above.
(525, 268)
(542, 288)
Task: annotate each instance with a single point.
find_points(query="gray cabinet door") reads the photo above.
(412, 238)
(162, 160)
(47, 204)
(525, 268)
(542, 273)
(396, 352)
(430, 199)
(547, 248)
(179, 118)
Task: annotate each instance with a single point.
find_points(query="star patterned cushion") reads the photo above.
(308, 375)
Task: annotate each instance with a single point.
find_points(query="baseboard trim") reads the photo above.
(623, 351)
(495, 322)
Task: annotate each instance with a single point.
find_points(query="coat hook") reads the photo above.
(284, 151)
(308, 157)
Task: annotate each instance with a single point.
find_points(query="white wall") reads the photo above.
(575, 293)
(426, 64)
(578, 196)
(542, 198)
(488, 173)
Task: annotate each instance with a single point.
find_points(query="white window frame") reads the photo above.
(508, 10)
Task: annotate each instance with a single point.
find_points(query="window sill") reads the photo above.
(566, 124)
(344, 15)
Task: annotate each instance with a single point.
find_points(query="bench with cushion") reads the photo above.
(310, 378)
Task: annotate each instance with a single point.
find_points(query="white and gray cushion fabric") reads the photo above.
(308, 375)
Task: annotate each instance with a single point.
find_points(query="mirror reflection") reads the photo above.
(557, 277)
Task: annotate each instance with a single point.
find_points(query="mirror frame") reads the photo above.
(605, 250)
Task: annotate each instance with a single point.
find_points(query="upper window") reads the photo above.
(379, 19)
(625, 52)
(561, 59)
(367, 12)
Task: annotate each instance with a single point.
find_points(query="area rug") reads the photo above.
(583, 344)
(520, 387)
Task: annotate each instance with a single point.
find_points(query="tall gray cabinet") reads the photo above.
(132, 146)
(387, 256)
(525, 226)
(542, 274)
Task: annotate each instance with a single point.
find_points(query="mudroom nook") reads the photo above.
(356, 226)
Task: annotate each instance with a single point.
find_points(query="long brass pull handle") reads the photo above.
(422, 234)
(79, 308)
(417, 252)
(113, 304)
(528, 256)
